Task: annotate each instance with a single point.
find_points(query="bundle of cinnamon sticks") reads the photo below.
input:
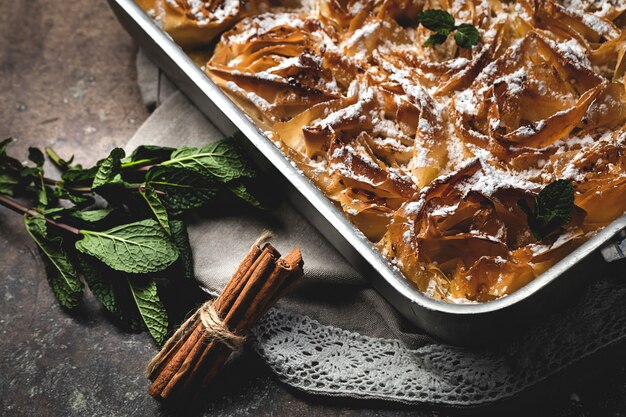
(189, 361)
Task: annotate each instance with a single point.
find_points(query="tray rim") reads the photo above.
(330, 212)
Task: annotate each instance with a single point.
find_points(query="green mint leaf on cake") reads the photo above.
(466, 35)
(443, 24)
(437, 20)
(436, 39)
(553, 208)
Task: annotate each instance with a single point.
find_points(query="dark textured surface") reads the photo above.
(67, 79)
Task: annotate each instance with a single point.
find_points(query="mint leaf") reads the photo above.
(241, 191)
(111, 289)
(150, 152)
(436, 20)
(555, 202)
(4, 144)
(150, 308)
(56, 212)
(466, 35)
(443, 24)
(138, 248)
(181, 240)
(221, 160)
(15, 177)
(436, 39)
(42, 195)
(6, 162)
(102, 288)
(77, 175)
(62, 275)
(553, 208)
(29, 172)
(78, 199)
(36, 156)
(156, 206)
(183, 189)
(109, 169)
(8, 183)
(92, 216)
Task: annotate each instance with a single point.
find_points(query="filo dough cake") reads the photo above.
(429, 150)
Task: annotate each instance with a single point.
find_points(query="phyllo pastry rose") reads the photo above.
(195, 23)
(279, 65)
(465, 237)
(536, 94)
(349, 140)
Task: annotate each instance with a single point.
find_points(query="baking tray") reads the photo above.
(463, 324)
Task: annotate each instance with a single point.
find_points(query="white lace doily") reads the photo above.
(327, 360)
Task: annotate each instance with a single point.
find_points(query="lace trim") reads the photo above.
(326, 360)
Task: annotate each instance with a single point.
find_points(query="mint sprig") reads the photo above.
(553, 209)
(443, 24)
(118, 226)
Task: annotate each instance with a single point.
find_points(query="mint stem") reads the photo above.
(18, 208)
(50, 181)
(145, 168)
(140, 163)
(142, 188)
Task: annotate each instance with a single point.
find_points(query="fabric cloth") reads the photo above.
(336, 336)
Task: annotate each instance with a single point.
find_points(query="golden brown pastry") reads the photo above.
(195, 23)
(433, 151)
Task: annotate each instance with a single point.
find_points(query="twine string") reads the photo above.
(214, 329)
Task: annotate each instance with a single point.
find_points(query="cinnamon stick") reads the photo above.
(194, 362)
(270, 288)
(190, 360)
(189, 347)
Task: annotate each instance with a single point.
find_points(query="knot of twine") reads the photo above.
(215, 328)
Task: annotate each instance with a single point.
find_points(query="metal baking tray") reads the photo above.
(463, 324)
